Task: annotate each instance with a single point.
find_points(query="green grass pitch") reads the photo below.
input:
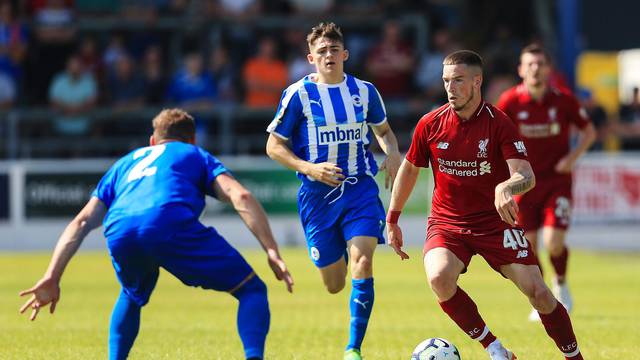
(188, 323)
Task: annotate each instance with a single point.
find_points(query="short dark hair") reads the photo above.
(174, 124)
(537, 49)
(463, 57)
(329, 30)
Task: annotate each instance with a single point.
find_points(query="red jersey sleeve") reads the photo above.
(511, 144)
(418, 153)
(577, 114)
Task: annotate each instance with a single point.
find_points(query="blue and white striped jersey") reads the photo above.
(330, 122)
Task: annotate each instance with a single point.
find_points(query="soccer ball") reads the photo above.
(435, 349)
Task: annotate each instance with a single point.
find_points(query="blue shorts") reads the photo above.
(330, 220)
(199, 257)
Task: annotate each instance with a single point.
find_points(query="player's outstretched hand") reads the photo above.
(280, 270)
(327, 173)
(44, 292)
(391, 164)
(565, 165)
(506, 205)
(394, 234)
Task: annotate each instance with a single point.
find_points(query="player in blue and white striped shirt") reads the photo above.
(322, 129)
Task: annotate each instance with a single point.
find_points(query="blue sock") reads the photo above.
(361, 304)
(125, 323)
(253, 317)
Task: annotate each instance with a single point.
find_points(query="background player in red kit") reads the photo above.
(544, 116)
(478, 163)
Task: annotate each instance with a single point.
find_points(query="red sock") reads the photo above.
(558, 327)
(560, 262)
(464, 312)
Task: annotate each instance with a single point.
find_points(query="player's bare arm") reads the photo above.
(47, 290)
(251, 212)
(389, 144)
(522, 180)
(586, 137)
(402, 188)
(328, 173)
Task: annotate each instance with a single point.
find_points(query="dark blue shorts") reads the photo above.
(199, 257)
(330, 219)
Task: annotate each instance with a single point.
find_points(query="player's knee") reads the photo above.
(443, 284)
(362, 266)
(541, 298)
(255, 286)
(334, 286)
(555, 248)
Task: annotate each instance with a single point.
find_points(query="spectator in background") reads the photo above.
(390, 64)
(264, 76)
(502, 53)
(91, 61)
(195, 90)
(13, 42)
(598, 117)
(125, 88)
(155, 83)
(73, 93)
(55, 32)
(7, 91)
(297, 62)
(115, 50)
(54, 22)
(629, 130)
(90, 57)
(226, 74)
(429, 72)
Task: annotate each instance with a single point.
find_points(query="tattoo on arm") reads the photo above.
(520, 182)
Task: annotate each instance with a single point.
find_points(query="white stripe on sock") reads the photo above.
(573, 353)
(484, 334)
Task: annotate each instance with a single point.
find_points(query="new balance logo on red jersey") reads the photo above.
(520, 147)
(443, 145)
(522, 254)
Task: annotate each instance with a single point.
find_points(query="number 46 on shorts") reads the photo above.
(514, 239)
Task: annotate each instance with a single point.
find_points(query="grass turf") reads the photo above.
(188, 323)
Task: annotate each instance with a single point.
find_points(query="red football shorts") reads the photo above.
(547, 204)
(500, 248)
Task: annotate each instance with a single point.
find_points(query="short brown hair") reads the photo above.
(174, 124)
(463, 57)
(537, 49)
(328, 30)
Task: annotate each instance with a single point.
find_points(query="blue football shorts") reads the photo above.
(199, 257)
(332, 216)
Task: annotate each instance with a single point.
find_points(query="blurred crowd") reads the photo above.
(48, 59)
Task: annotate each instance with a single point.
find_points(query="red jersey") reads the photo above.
(468, 161)
(544, 125)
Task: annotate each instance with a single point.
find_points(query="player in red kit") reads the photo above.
(479, 163)
(544, 116)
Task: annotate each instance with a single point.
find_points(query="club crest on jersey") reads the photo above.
(520, 147)
(340, 133)
(523, 115)
(553, 112)
(315, 253)
(482, 145)
(356, 100)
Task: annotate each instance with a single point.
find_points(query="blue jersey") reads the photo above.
(157, 188)
(330, 122)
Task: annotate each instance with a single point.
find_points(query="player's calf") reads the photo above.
(253, 316)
